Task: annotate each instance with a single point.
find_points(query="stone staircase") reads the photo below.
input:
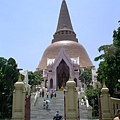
(56, 103)
(83, 112)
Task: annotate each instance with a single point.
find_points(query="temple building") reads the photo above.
(64, 57)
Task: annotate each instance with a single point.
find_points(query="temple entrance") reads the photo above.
(62, 75)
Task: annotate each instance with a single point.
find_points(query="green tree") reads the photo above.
(92, 95)
(38, 77)
(8, 76)
(109, 67)
(86, 77)
(35, 78)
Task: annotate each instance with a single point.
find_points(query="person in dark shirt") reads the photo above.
(57, 116)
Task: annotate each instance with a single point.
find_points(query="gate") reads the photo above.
(78, 110)
(64, 107)
(27, 107)
(99, 107)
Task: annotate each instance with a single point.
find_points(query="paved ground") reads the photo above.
(38, 113)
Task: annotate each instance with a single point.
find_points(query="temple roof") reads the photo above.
(64, 29)
(64, 18)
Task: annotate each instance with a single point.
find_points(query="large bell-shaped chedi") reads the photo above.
(64, 57)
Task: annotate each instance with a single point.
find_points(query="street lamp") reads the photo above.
(19, 69)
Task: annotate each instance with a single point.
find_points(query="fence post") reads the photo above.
(105, 103)
(71, 101)
(18, 108)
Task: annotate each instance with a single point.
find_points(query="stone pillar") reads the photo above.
(105, 103)
(18, 108)
(71, 101)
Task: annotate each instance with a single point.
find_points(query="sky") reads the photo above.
(27, 27)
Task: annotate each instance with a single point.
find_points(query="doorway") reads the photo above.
(62, 74)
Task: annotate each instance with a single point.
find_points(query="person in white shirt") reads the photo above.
(44, 103)
(118, 115)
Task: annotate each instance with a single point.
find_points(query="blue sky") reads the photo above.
(27, 27)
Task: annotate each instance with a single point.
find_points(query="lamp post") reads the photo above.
(19, 69)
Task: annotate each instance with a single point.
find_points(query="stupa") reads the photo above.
(64, 56)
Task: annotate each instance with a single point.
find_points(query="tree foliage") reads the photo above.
(109, 67)
(93, 95)
(8, 76)
(35, 78)
(86, 76)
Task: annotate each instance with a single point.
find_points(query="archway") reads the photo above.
(62, 74)
(51, 83)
